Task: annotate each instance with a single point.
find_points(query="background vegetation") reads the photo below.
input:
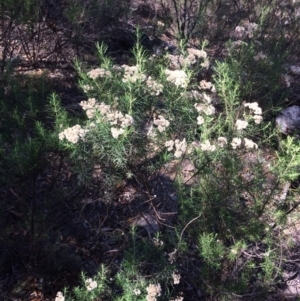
(139, 154)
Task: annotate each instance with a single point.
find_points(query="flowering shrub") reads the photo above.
(163, 112)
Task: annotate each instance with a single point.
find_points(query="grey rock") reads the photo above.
(288, 121)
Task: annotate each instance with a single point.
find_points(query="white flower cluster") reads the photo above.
(180, 147)
(87, 88)
(204, 85)
(90, 106)
(256, 110)
(206, 146)
(59, 297)
(132, 74)
(236, 142)
(136, 292)
(178, 77)
(153, 291)
(259, 56)
(90, 284)
(73, 134)
(207, 109)
(247, 29)
(98, 72)
(193, 55)
(114, 117)
(241, 124)
(196, 95)
(155, 87)
(157, 242)
(176, 278)
(161, 123)
(248, 143)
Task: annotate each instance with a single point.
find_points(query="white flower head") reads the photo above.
(87, 88)
(206, 108)
(169, 144)
(254, 107)
(90, 284)
(258, 119)
(153, 290)
(259, 56)
(207, 146)
(176, 278)
(204, 85)
(136, 291)
(198, 53)
(200, 120)
(178, 77)
(161, 122)
(73, 134)
(98, 72)
(181, 147)
(132, 74)
(250, 144)
(222, 141)
(241, 124)
(155, 87)
(116, 132)
(59, 297)
(236, 142)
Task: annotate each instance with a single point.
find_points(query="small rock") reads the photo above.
(146, 221)
(288, 120)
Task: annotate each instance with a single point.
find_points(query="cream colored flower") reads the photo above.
(176, 278)
(236, 142)
(259, 56)
(241, 124)
(178, 77)
(116, 132)
(103, 108)
(137, 292)
(250, 144)
(198, 53)
(155, 87)
(90, 284)
(234, 251)
(132, 74)
(253, 106)
(222, 141)
(257, 119)
(157, 242)
(204, 85)
(59, 297)
(86, 88)
(98, 72)
(206, 108)
(161, 123)
(180, 147)
(200, 120)
(206, 146)
(169, 144)
(153, 291)
(73, 134)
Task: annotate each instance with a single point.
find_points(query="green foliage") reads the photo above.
(288, 158)
(140, 118)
